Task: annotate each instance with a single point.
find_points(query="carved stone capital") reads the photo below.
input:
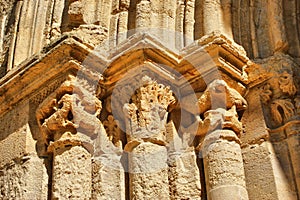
(69, 116)
(279, 93)
(219, 105)
(146, 116)
(113, 131)
(219, 95)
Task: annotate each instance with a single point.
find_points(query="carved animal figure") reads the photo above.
(217, 95)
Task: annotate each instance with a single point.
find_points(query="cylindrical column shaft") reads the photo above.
(148, 172)
(72, 176)
(223, 165)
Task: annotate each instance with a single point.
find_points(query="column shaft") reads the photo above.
(223, 165)
(72, 174)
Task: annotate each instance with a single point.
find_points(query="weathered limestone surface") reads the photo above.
(23, 175)
(223, 165)
(149, 99)
(72, 164)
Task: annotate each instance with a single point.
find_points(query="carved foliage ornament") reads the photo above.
(279, 98)
(148, 111)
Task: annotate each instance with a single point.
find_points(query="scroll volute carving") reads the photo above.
(279, 99)
(65, 112)
(147, 114)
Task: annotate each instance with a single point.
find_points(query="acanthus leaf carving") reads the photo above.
(147, 114)
(282, 110)
(278, 97)
(286, 83)
(113, 131)
(266, 94)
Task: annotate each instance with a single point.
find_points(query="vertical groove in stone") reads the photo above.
(277, 29)
(119, 21)
(123, 20)
(189, 22)
(226, 6)
(202, 177)
(2, 30)
(12, 47)
(24, 39)
(49, 15)
(198, 17)
(262, 28)
(252, 28)
(56, 23)
(298, 26)
(143, 14)
(215, 18)
(39, 26)
(236, 20)
(179, 26)
(243, 25)
(131, 16)
(105, 13)
(113, 29)
(211, 16)
(292, 26)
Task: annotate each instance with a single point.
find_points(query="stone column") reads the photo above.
(215, 17)
(221, 151)
(184, 176)
(146, 135)
(68, 123)
(143, 14)
(71, 172)
(223, 164)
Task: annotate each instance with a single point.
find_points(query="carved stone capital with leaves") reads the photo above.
(146, 116)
